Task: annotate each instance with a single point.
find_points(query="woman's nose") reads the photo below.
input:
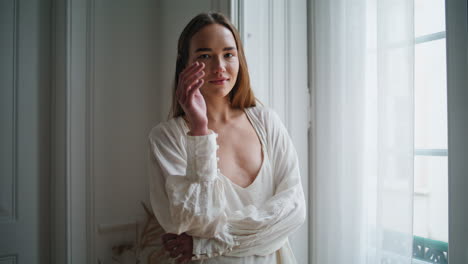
(219, 65)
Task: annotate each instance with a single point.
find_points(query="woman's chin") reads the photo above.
(217, 91)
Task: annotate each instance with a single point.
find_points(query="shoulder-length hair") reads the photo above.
(241, 95)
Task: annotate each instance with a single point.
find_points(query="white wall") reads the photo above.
(123, 103)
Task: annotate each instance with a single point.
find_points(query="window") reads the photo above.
(430, 219)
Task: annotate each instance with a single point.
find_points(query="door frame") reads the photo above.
(71, 191)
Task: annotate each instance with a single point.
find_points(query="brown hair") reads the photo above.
(241, 95)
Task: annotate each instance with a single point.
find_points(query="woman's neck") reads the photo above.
(220, 111)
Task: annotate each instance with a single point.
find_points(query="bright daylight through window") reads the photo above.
(430, 221)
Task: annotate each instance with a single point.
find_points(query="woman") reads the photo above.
(224, 175)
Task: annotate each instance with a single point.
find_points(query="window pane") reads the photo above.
(430, 95)
(429, 17)
(431, 200)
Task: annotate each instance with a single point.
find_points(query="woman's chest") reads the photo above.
(240, 155)
(256, 193)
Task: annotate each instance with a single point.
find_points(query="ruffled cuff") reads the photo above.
(201, 157)
(222, 243)
(202, 248)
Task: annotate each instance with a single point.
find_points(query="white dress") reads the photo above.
(229, 223)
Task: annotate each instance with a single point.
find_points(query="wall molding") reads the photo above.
(270, 52)
(68, 129)
(287, 70)
(76, 126)
(90, 85)
(58, 163)
(9, 259)
(237, 16)
(14, 208)
(312, 134)
(10, 213)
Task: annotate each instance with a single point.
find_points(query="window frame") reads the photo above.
(432, 248)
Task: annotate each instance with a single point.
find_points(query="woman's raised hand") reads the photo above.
(190, 98)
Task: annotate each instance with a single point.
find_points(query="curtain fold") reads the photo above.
(364, 103)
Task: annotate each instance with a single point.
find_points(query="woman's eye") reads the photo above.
(204, 56)
(229, 55)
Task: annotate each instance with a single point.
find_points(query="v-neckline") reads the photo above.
(263, 156)
(262, 149)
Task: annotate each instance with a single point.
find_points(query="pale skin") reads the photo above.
(203, 92)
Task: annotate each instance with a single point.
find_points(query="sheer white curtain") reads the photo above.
(363, 96)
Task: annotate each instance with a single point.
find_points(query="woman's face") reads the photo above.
(214, 45)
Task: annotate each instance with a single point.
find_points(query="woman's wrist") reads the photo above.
(202, 131)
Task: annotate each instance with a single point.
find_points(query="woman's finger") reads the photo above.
(176, 252)
(184, 72)
(171, 244)
(168, 236)
(180, 90)
(195, 67)
(180, 96)
(194, 83)
(193, 78)
(191, 70)
(193, 89)
(186, 82)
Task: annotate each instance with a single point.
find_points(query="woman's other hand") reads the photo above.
(191, 100)
(179, 245)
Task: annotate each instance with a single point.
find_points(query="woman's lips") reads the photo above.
(219, 82)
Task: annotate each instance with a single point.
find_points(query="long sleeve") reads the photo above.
(185, 191)
(263, 230)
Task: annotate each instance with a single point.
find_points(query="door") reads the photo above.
(24, 131)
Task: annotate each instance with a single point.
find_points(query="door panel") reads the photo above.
(24, 132)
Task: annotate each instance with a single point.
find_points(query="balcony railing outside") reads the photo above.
(430, 251)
